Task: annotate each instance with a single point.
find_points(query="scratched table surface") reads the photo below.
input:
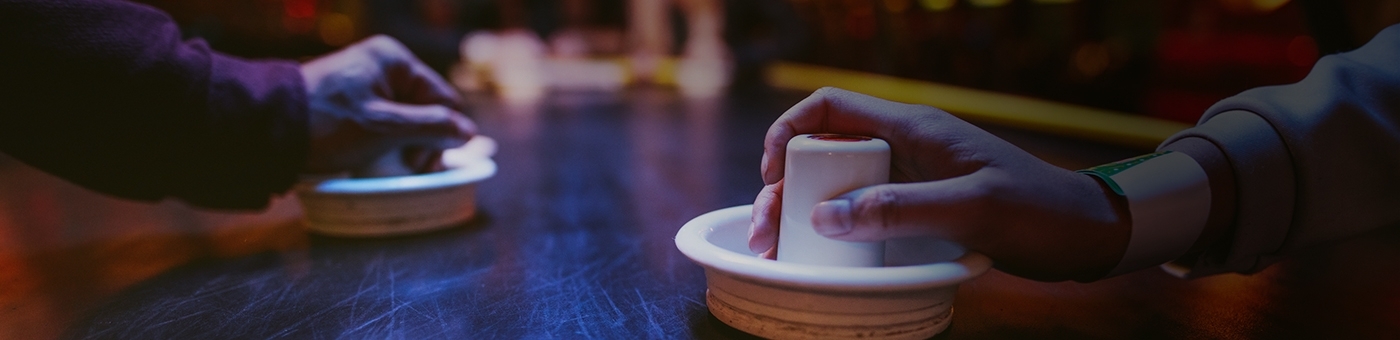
(575, 240)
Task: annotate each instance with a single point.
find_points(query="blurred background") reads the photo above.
(1168, 59)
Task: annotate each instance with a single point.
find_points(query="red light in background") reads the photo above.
(860, 23)
(299, 9)
(1302, 51)
(299, 16)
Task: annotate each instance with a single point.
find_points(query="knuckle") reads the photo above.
(878, 209)
(769, 192)
(382, 41)
(826, 91)
(889, 208)
(385, 47)
(769, 195)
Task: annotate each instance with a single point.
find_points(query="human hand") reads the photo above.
(952, 180)
(375, 98)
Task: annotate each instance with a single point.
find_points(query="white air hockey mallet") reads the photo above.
(820, 167)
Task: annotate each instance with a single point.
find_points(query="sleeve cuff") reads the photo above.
(1169, 202)
(1262, 178)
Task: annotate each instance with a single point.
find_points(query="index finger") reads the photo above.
(433, 126)
(829, 110)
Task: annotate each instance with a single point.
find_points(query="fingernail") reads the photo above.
(832, 218)
(752, 246)
(763, 168)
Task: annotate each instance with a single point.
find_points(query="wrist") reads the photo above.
(1108, 215)
(1168, 202)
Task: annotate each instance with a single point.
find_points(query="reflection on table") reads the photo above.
(574, 240)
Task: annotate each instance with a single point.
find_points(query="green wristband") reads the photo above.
(1105, 172)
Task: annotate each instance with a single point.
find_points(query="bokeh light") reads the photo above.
(937, 5)
(1257, 6)
(1091, 59)
(336, 29)
(300, 9)
(988, 3)
(897, 6)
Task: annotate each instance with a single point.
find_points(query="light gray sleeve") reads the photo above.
(1311, 162)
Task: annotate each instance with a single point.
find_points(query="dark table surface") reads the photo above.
(575, 240)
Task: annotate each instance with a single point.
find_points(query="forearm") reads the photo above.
(1312, 162)
(107, 95)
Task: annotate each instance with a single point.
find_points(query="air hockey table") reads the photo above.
(575, 240)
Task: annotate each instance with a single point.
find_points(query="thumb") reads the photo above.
(881, 212)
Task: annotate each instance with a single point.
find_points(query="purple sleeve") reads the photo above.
(106, 94)
(1311, 163)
